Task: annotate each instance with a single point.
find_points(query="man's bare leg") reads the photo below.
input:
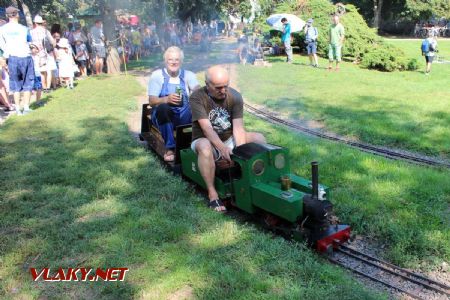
(17, 102)
(26, 101)
(49, 80)
(255, 137)
(44, 80)
(206, 165)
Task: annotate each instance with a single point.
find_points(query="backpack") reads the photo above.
(425, 46)
(432, 47)
(47, 44)
(307, 41)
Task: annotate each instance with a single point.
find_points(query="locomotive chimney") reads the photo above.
(315, 180)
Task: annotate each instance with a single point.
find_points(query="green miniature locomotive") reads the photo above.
(259, 182)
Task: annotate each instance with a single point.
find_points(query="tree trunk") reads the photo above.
(377, 6)
(113, 61)
(109, 22)
(26, 12)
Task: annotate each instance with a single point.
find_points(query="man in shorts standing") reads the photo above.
(430, 51)
(14, 39)
(311, 35)
(98, 46)
(336, 36)
(217, 127)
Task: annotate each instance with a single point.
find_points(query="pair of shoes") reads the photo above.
(217, 205)
(19, 113)
(329, 69)
(169, 157)
(427, 73)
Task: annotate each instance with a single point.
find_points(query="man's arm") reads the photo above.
(239, 131)
(212, 136)
(192, 82)
(50, 38)
(153, 90)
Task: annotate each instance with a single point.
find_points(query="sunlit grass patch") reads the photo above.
(406, 110)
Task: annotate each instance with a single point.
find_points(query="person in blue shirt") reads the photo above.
(168, 90)
(286, 39)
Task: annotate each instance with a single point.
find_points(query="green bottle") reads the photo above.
(179, 91)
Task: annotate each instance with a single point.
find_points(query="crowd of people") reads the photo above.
(249, 53)
(39, 60)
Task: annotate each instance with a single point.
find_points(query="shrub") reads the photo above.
(361, 44)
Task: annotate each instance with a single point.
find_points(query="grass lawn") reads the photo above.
(78, 191)
(406, 110)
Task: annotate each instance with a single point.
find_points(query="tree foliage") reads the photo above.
(413, 10)
(424, 9)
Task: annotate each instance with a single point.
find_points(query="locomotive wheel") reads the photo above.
(271, 220)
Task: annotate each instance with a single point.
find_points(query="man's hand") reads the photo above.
(174, 99)
(225, 152)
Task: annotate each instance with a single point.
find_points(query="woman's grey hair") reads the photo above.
(174, 49)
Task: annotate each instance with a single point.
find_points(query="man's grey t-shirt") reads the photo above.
(219, 112)
(97, 35)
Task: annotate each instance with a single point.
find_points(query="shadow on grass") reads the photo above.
(95, 199)
(47, 98)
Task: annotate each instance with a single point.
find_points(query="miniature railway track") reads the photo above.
(364, 147)
(409, 283)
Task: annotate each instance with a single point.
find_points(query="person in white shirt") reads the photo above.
(14, 41)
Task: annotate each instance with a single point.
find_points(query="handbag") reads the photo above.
(47, 45)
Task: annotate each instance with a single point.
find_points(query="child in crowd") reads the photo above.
(37, 88)
(81, 56)
(66, 63)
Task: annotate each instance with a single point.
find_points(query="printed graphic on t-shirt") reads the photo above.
(220, 119)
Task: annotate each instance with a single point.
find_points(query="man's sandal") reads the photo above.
(217, 205)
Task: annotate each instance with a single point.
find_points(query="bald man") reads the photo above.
(217, 127)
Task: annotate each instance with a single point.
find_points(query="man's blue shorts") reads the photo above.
(37, 83)
(21, 73)
(311, 48)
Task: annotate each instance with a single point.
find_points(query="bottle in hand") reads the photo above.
(179, 91)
